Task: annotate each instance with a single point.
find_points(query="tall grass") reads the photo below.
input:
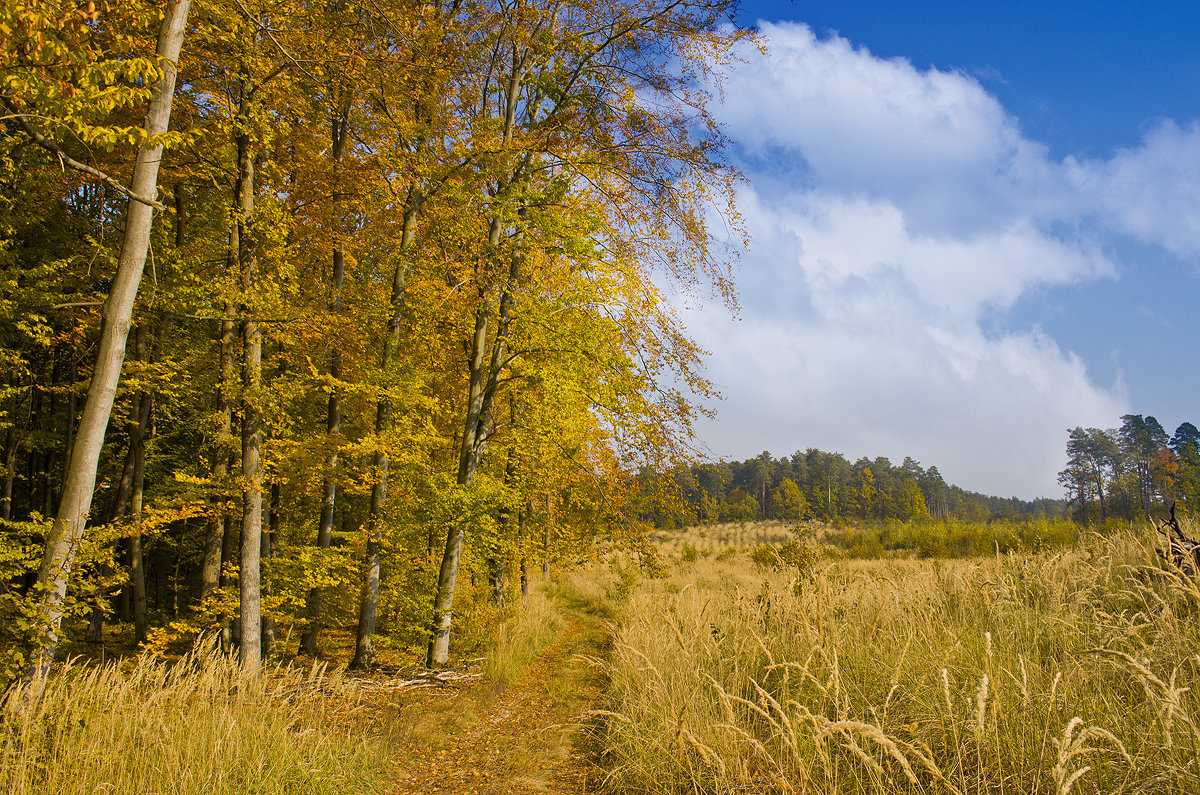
(945, 538)
(1048, 673)
(520, 635)
(198, 725)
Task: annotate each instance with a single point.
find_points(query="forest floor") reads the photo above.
(478, 738)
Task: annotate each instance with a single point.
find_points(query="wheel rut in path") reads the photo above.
(528, 739)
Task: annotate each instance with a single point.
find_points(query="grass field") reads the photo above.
(198, 725)
(744, 659)
(1065, 671)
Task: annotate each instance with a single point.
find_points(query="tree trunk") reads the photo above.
(364, 647)
(231, 550)
(175, 581)
(249, 585)
(268, 551)
(214, 541)
(1100, 492)
(10, 458)
(80, 479)
(522, 520)
(443, 604)
(498, 563)
(484, 379)
(333, 413)
(137, 571)
(498, 571)
(139, 419)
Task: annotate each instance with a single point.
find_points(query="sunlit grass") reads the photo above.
(524, 631)
(1073, 671)
(197, 725)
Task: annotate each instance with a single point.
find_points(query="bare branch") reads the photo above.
(66, 160)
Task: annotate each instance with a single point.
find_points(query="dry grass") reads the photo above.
(526, 629)
(198, 725)
(711, 539)
(1072, 672)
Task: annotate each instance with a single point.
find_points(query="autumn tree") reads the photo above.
(787, 501)
(67, 531)
(560, 125)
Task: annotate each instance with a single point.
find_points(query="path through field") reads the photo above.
(527, 738)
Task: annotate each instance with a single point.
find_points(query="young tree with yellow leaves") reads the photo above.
(579, 118)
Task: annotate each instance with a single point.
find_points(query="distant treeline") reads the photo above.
(1132, 471)
(817, 485)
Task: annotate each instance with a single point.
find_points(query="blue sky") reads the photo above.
(973, 225)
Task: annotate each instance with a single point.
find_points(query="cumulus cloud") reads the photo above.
(862, 339)
(990, 413)
(1152, 190)
(890, 210)
(870, 239)
(934, 143)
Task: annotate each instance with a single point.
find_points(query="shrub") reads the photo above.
(764, 556)
(803, 555)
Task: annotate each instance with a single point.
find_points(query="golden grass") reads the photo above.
(526, 629)
(198, 725)
(1051, 673)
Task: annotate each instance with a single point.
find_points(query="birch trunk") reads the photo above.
(79, 481)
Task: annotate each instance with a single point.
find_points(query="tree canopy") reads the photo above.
(406, 307)
(813, 484)
(1133, 471)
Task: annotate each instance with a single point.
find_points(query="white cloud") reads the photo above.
(934, 143)
(870, 239)
(891, 210)
(1151, 191)
(991, 414)
(861, 350)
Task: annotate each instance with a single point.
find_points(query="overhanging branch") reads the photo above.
(66, 160)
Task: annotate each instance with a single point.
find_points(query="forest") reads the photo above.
(1132, 471)
(815, 485)
(1128, 473)
(331, 314)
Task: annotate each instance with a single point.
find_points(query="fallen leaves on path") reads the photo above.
(525, 739)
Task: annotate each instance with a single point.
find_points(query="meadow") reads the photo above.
(1068, 670)
(743, 659)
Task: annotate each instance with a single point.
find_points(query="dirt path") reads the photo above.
(529, 737)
